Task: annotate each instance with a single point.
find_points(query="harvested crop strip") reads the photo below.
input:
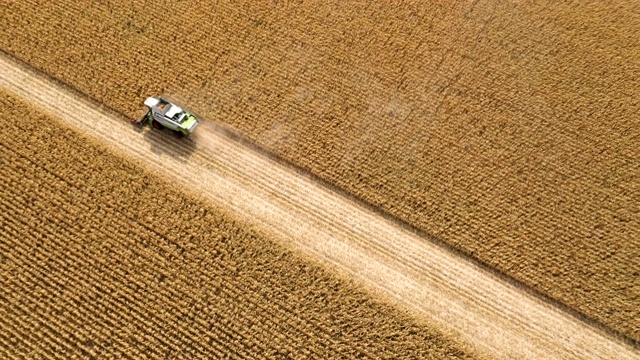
(100, 258)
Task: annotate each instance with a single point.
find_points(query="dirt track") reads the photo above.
(468, 302)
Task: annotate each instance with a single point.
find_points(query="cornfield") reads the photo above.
(507, 131)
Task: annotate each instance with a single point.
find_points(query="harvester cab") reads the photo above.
(164, 114)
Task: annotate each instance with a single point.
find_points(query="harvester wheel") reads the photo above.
(156, 125)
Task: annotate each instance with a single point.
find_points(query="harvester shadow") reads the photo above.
(165, 142)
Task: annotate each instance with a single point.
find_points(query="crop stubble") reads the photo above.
(100, 258)
(505, 130)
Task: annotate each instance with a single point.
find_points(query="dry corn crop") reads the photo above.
(508, 131)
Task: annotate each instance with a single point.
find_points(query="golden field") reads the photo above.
(508, 131)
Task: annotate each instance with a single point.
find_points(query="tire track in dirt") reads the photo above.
(464, 300)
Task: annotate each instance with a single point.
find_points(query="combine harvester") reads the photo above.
(164, 114)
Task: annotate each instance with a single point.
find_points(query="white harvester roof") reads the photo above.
(152, 102)
(172, 111)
